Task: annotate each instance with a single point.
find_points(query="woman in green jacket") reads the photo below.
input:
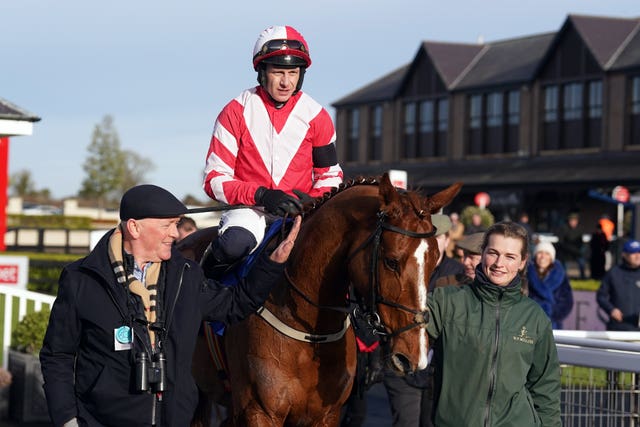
(497, 359)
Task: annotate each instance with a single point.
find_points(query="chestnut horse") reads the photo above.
(293, 363)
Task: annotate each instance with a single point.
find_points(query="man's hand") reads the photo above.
(281, 253)
(277, 202)
(616, 315)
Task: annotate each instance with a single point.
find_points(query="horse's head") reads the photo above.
(390, 272)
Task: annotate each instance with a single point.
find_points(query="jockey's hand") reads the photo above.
(277, 202)
(304, 197)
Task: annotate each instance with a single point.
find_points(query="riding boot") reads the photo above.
(214, 262)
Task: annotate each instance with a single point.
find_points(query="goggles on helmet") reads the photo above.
(281, 48)
(276, 45)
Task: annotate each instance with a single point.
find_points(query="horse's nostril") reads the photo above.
(401, 363)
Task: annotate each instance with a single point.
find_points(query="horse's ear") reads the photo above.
(389, 197)
(444, 197)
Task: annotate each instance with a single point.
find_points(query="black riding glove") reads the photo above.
(277, 202)
(304, 197)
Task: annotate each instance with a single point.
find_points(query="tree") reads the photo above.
(136, 167)
(21, 183)
(110, 170)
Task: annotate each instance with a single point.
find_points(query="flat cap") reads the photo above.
(442, 223)
(472, 243)
(150, 201)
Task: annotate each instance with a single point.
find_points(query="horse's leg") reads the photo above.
(210, 387)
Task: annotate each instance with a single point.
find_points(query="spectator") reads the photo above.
(186, 226)
(570, 245)
(549, 285)
(496, 359)
(455, 234)
(411, 396)
(471, 245)
(134, 301)
(523, 220)
(598, 245)
(476, 225)
(619, 292)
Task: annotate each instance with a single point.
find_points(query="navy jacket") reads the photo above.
(86, 378)
(620, 288)
(553, 292)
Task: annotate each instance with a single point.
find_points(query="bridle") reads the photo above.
(369, 308)
(365, 309)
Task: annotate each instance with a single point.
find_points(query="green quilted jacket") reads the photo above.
(496, 360)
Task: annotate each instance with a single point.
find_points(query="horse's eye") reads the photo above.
(391, 263)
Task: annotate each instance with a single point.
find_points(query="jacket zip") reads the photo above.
(494, 363)
(175, 300)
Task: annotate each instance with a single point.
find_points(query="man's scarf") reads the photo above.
(147, 294)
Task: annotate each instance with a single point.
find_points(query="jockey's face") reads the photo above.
(281, 82)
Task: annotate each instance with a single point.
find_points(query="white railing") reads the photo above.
(23, 296)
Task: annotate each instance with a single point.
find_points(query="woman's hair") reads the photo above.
(509, 229)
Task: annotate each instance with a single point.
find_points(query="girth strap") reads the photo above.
(287, 330)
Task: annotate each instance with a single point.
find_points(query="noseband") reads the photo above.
(369, 308)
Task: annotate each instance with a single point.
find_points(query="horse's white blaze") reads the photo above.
(423, 287)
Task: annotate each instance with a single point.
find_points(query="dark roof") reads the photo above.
(10, 111)
(383, 89)
(506, 62)
(604, 36)
(629, 55)
(451, 59)
(588, 169)
(613, 42)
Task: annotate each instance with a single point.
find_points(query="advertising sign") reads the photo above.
(14, 271)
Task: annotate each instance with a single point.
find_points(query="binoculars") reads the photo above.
(151, 374)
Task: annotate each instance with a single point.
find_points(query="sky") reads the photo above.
(164, 69)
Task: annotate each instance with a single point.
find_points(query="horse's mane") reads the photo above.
(311, 206)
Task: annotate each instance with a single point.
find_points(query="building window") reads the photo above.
(594, 114)
(475, 125)
(494, 109)
(634, 109)
(551, 104)
(572, 105)
(409, 134)
(513, 122)
(513, 108)
(572, 133)
(375, 133)
(443, 127)
(354, 134)
(426, 127)
(595, 99)
(551, 133)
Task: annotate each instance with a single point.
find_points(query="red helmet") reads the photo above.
(281, 45)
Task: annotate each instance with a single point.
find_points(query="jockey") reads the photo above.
(272, 147)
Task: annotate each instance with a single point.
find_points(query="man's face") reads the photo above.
(470, 260)
(632, 259)
(155, 237)
(281, 82)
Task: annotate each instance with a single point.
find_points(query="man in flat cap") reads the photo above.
(123, 327)
(471, 246)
